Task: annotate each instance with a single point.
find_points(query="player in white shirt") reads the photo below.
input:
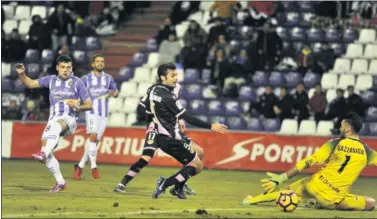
(101, 87)
(66, 91)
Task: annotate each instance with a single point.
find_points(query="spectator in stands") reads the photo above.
(354, 102)
(13, 112)
(337, 110)
(16, 47)
(182, 10)
(2, 17)
(221, 43)
(169, 49)
(305, 59)
(165, 30)
(301, 104)
(4, 47)
(265, 104)
(31, 112)
(59, 23)
(318, 104)
(323, 60)
(284, 107)
(242, 66)
(220, 28)
(64, 50)
(195, 48)
(220, 68)
(38, 38)
(224, 9)
(84, 28)
(270, 46)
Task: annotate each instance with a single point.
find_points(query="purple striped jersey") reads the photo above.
(62, 91)
(99, 88)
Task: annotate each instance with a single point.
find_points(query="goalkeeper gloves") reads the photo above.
(273, 181)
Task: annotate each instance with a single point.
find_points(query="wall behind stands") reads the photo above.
(237, 150)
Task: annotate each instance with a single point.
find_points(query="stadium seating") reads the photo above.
(131, 118)
(9, 25)
(8, 11)
(191, 76)
(370, 51)
(329, 81)
(117, 120)
(324, 128)
(39, 10)
(142, 89)
(128, 89)
(289, 127)
(373, 67)
(354, 51)
(22, 12)
(359, 66)
(254, 124)
(93, 43)
(32, 55)
(198, 107)
(307, 127)
(130, 104)
(330, 95)
(345, 81)
(47, 56)
(364, 82)
(341, 66)
(367, 36)
(142, 74)
(152, 60)
(116, 104)
(5, 69)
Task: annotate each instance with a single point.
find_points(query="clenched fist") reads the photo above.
(20, 68)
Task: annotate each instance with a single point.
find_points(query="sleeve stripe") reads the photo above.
(180, 113)
(142, 104)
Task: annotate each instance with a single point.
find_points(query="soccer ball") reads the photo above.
(287, 201)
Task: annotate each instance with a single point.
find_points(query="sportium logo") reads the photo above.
(253, 149)
(108, 145)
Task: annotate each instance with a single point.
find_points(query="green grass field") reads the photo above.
(25, 186)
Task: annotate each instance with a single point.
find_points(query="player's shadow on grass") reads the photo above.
(33, 188)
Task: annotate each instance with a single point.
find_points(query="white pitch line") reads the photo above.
(139, 212)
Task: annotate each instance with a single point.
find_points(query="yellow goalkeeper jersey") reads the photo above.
(343, 159)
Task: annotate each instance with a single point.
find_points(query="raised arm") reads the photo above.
(26, 80)
(372, 157)
(318, 157)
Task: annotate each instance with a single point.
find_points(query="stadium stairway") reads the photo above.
(144, 24)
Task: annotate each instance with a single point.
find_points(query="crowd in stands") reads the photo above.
(276, 56)
(37, 32)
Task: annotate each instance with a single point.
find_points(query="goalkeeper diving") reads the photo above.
(344, 158)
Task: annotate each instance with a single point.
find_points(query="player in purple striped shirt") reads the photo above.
(66, 91)
(101, 86)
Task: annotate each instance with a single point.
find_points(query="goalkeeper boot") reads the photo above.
(160, 187)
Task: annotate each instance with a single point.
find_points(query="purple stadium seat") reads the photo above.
(191, 76)
(247, 93)
(138, 59)
(254, 124)
(198, 107)
(271, 125)
(317, 47)
(307, 19)
(292, 19)
(276, 79)
(79, 56)
(350, 35)
(203, 117)
(18, 86)
(290, 6)
(33, 70)
(236, 123)
(306, 6)
(93, 43)
(280, 18)
(337, 48)
(210, 92)
(369, 97)
(232, 108)
(283, 33)
(311, 79)
(287, 47)
(297, 46)
(206, 76)
(332, 35)
(47, 56)
(215, 108)
(260, 78)
(218, 119)
(365, 129)
(292, 78)
(193, 91)
(125, 74)
(32, 55)
(151, 46)
(371, 114)
(79, 43)
(7, 85)
(315, 35)
(373, 128)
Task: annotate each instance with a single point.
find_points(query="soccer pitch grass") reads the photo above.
(26, 184)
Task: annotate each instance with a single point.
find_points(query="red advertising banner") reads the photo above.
(236, 150)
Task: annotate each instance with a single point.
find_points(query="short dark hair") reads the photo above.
(350, 86)
(63, 58)
(96, 56)
(284, 87)
(355, 121)
(301, 83)
(162, 70)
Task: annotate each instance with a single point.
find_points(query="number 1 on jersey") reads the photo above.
(348, 158)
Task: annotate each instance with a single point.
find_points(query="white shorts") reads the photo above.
(96, 124)
(70, 120)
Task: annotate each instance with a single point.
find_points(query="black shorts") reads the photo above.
(150, 144)
(179, 149)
